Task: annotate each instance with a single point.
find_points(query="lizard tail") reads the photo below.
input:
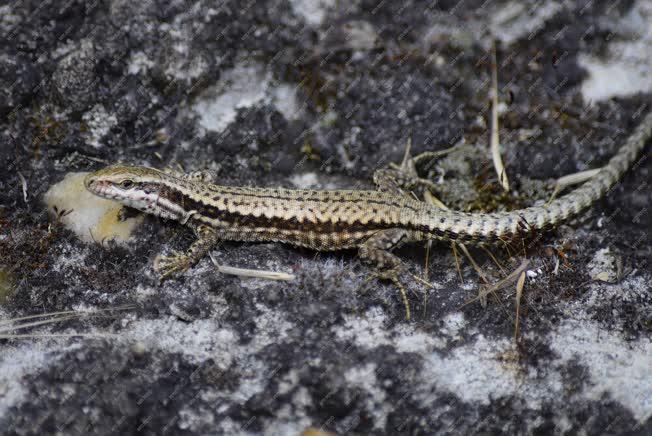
(574, 202)
(504, 226)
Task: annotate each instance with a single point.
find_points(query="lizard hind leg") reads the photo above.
(398, 181)
(375, 251)
(404, 176)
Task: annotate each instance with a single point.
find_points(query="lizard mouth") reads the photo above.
(148, 201)
(99, 187)
(89, 181)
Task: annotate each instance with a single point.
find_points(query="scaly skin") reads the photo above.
(339, 219)
(373, 221)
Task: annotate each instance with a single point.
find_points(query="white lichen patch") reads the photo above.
(600, 85)
(482, 370)
(71, 257)
(507, 22)
(453, 323)
(410, 340)
(185, 67)
(284, 97)
(313, 12)
(304, 180)
(603, 266)
(634, 288)
(194, 417)
(370, 332)
(18, 362)
(515, 20)
(180, 60)
(198, 341)
(618, 368)
(243, 86)
(15, 363)
(365, 377)
(205, 339)
(627, 68)
(93, 219)
(98, 123)
(139, 62)
(8, 18)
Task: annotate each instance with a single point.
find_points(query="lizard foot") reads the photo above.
(167, 266)
(393, 276)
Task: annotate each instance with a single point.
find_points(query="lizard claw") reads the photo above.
(167, 266)
(392, 275)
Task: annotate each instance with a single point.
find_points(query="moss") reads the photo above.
(309, 151)
(317, 88)
(7, 284)
(46, 129)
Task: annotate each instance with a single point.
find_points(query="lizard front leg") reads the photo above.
(206, 175)
(178, 262)
(375, 251)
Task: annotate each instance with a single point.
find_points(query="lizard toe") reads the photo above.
(174, 264)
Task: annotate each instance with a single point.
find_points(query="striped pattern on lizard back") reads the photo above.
(332, 220)
(374, 222)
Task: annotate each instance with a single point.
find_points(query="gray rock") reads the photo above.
(86, 84)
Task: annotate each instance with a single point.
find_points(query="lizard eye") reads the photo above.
(126, 184)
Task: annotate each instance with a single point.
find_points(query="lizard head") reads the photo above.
(145, 189)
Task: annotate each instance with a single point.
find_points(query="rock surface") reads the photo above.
(303, 93)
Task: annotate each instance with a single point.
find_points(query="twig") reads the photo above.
(495, 142)
(64, 314)
(58, 335)
(457, 262)
(572, 179)
(23, 183)
(502, 283)
(256, 273)
(431, 155)
(520, 284)
(13, 324)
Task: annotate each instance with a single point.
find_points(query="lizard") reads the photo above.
(374, 222)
